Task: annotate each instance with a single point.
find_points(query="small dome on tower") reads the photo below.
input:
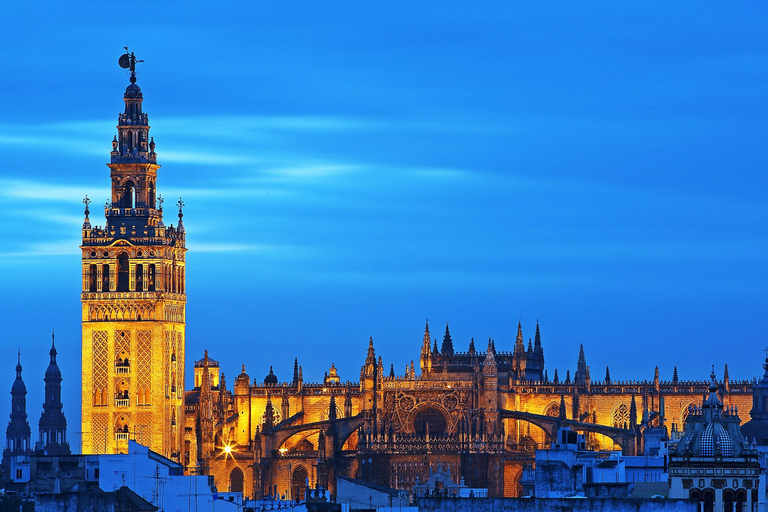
(133, 91)
(18, 384)
(242, 377)
(271, 378)
(53, 370)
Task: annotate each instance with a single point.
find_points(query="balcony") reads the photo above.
(121, 436)
(122, 368)
(122, 402)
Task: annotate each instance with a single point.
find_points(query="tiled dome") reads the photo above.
(715, 435)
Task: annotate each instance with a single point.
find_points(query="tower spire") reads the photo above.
(53, 424)
(447, 342)
(134, 263)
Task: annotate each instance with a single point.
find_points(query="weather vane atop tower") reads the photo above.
(128, 61)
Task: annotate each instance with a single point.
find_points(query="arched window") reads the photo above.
(552, 410)
(621, 416)
(236, 480)
(123, 272)
(139, 277)
(92, 278)
(129, 192)
(105, 278)
(432, 417)
(299, 483)
(151, 278)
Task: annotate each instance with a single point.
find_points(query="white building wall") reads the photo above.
(152, 480)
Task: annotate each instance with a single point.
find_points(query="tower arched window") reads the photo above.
(139, 277)
(123, 272)
(129, 195)
(92, 278)
(105, 278)
(151, 278)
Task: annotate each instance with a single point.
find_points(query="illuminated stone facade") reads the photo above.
(480, 415)
(133, 304)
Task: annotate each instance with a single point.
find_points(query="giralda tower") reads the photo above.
(133, 299)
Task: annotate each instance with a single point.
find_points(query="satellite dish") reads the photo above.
(125, 61)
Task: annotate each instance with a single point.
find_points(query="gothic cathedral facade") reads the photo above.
(133, 303)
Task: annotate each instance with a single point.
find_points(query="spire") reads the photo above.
(472, 346)
(562, 412)
(726, 380)
(546, 377)
(581, 367)
(425, 362)
(295, 371)
(447, 342)
(607, 375)
(632, 413)
(435, 350)
(519, 338)
(332, 409)
(53, 424)
(674, 376)
(712, 405)
(567, 376)
(371, 357)
(537, 337)
(556, 379)
(530, 347)
(18, 433)
(392, 370)
(86, 221)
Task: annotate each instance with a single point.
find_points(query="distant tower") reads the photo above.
(134, 301)
(18, 433)
(53, 424)
(15, 464)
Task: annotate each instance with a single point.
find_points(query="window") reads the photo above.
(122, 272)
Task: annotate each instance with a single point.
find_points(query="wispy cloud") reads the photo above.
(41, 190)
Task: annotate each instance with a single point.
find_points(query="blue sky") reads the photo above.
(352, 169)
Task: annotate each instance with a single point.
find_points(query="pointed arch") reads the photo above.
(236, 478)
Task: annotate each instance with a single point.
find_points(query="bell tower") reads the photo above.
(133, 301)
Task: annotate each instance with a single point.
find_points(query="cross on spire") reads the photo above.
(86, 202)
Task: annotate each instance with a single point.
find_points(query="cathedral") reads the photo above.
(478, 414)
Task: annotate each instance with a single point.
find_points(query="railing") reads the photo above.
(122, 402)
(121, 436)
(122, 369)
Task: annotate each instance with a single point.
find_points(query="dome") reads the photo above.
(715, 436)
(271, 378)
(243, 377)
(53, 372)
(133, 91)
(18, 387)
